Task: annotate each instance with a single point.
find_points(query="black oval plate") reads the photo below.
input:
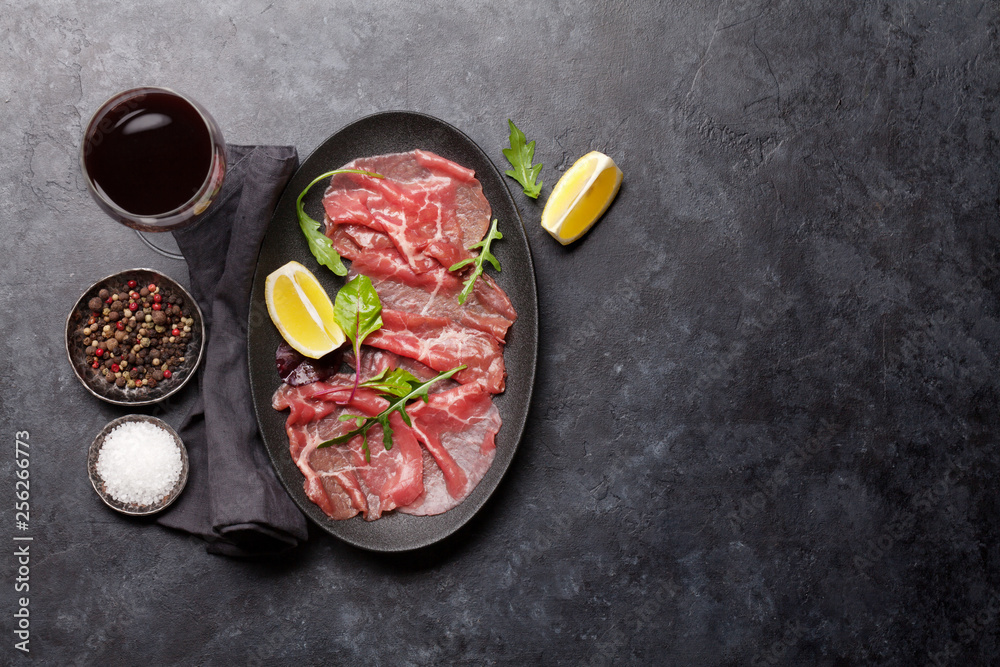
(394, 132)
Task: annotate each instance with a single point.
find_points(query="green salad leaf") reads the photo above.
(520, 154)
(358, 311)
(319, 244)
(485, 255)
(398, 382)
(414, 389)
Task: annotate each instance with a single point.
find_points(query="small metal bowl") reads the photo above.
(108, 391)
(134, 509)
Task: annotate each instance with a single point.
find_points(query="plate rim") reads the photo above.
(533, 335)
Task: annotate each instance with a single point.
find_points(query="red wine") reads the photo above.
(150, 154)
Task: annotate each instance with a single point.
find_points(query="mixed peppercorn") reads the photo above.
(137, 336)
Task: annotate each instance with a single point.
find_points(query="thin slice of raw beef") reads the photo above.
(336, 488)
(435, 293)
(358, 213)
(441, 344)
(457, 428)
(338, 478)
(431, 208)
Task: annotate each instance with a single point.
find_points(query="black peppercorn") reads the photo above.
(104, 294)
(95, 304)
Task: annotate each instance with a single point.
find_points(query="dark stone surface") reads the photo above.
(766, 415)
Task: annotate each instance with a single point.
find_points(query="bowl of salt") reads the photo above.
(138, 465)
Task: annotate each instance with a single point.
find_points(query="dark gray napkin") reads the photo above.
(233, 499)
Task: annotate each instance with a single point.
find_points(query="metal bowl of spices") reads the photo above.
(135, 337)
(138, 465)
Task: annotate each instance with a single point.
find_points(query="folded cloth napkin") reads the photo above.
(233, 499)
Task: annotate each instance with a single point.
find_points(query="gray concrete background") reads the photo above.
(765, 425)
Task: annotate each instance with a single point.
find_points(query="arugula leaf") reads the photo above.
(319, 244)
(520, 155)
(418, 390)
(492, 235)
(397, 383)
(358, 311)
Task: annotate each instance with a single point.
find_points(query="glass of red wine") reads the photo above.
(153, 159)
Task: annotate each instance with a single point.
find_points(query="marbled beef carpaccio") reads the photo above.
(403, 231)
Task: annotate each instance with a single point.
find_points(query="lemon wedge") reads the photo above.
(302, 311)
(581, 197)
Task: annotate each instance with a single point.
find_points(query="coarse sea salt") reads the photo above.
(139, 463)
